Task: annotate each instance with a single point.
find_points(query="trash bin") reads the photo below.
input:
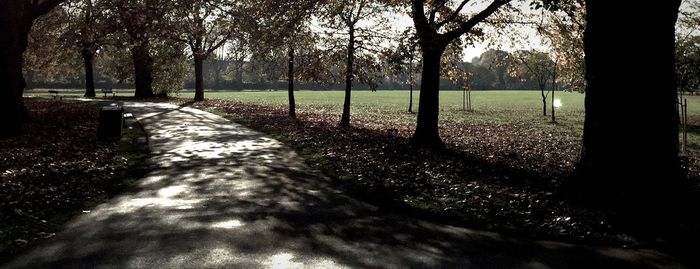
(111, 119)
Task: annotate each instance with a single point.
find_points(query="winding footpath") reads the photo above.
(224, 196)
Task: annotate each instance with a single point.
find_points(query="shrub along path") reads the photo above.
(225, 196)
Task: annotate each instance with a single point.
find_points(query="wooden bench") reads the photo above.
(106, 91)
(56, 94)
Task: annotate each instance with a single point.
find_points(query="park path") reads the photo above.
(224, 196)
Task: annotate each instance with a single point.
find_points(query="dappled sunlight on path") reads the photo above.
(224, 196)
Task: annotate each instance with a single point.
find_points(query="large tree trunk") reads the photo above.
(198, 79)
(14, 30)
(88, 57)
(143, 70)
(629, 157)
(290, 86)
(345, 119)
(429, 101)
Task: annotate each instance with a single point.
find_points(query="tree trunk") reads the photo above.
(410, 80)
(629, 157)
(544, 103)
(198, 79)
(410, 98)
(554, 115)
(345, 119)
(426, 133)
(88, 57)
(143, 70)
(290, 86)
(14, 30)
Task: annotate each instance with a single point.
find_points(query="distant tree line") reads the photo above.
(228, 70)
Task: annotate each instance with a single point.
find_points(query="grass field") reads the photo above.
(492, 107)
(391, 99)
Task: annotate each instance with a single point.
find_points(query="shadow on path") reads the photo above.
(224, 196)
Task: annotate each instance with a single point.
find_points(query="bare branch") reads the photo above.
(452, 16)
(465, 27)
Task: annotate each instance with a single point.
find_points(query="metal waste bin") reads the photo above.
(111, 120)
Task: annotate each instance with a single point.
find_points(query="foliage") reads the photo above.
(140, 19)
(688, 64)
(170, 67)
(49, 56)
(116, 64)
(500, 63)
(202, 25)
(357, 28)
(88, 25)
(403, 58)
(266, 65)
(688, 49)
(534, 66)
(563, 32)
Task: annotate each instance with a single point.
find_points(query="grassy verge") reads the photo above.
(59, 169)
(502, 174)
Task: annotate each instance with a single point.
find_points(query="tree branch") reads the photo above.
(454, 14)
(465, 27)
(419, 20)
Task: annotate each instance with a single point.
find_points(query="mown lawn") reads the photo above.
(490, 107)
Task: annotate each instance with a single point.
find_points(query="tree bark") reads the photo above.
(345, 118)
(544, 103)
(629, 156)
(198, 79)
(410, 98)
(290, 86)
(88, 57)
(426, 133)
(14, 30)
(143, 69)
(410, 80)
(554, 115)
